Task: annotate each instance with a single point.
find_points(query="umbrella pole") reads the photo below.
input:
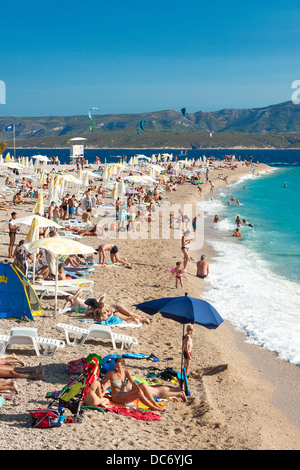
(56, 287)
(181, 372)
(34, 268)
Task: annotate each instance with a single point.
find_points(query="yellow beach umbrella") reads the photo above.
(53, 189)
(39, 208)
(33, 233)
(71, 179)
(105, 173)
(43, 177)
(115, 192)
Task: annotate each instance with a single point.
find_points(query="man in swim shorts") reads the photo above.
(202, 268)
(71, 203)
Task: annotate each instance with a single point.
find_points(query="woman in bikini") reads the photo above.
(120, 380)
(103, 312)
(12, 234)
(185, 246)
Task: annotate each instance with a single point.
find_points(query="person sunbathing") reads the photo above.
(120, 378)
(18, 199)
(11, 359)
(9, 387)
(103, 312)
(44, 274)
(8, 182)
(62, 276)
(72, 261)
(15, 372)
(74, 302)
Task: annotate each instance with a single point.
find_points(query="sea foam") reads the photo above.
(255, 300)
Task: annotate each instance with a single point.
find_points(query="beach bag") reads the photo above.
(77, 366)
(46, 418)
(170, 374)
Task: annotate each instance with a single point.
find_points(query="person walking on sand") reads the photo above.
(187, 348)
(202, 268)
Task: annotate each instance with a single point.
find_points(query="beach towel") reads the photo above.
(113, 321)
(141, 415)
(137, 414)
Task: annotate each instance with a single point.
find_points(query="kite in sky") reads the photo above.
(91, 117)
(141, 124)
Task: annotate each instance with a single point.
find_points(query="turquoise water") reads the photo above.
(255, 280)
(273, 210)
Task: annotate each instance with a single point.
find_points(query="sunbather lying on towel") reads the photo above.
(9, 387)
(11, 359)
(14, 372)
(75, 301)
(103, 312)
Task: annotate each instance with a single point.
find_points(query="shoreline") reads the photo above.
(162, 148)
(270, 366)
(231, 405)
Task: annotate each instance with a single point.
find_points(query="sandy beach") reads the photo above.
(242, 397)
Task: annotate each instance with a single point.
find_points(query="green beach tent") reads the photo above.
(17, 296)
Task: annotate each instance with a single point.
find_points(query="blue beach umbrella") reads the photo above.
(184, 310)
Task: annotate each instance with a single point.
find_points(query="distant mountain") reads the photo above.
(283, 118)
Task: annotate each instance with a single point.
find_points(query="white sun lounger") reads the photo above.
(64, 287)
(95, 331)
(23, 335)
(68, 234)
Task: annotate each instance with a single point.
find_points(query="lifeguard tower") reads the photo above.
(77, 148)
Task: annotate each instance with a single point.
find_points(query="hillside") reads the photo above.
(272, 126)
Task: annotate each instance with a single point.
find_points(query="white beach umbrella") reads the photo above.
(115, 192)
(41, 158)
(71, 179)
(122, 188)
(42, 221)
(53, 189)
(32, 236)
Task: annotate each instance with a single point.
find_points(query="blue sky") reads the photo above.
(61, 58)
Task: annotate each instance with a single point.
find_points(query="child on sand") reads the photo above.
(177, 271)
(187, 348)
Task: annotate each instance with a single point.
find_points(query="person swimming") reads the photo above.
(247, 223)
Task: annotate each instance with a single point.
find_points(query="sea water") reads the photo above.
(255, 280)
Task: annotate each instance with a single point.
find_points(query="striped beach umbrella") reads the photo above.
(33, 233)
(39, 208)
(115, 191)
